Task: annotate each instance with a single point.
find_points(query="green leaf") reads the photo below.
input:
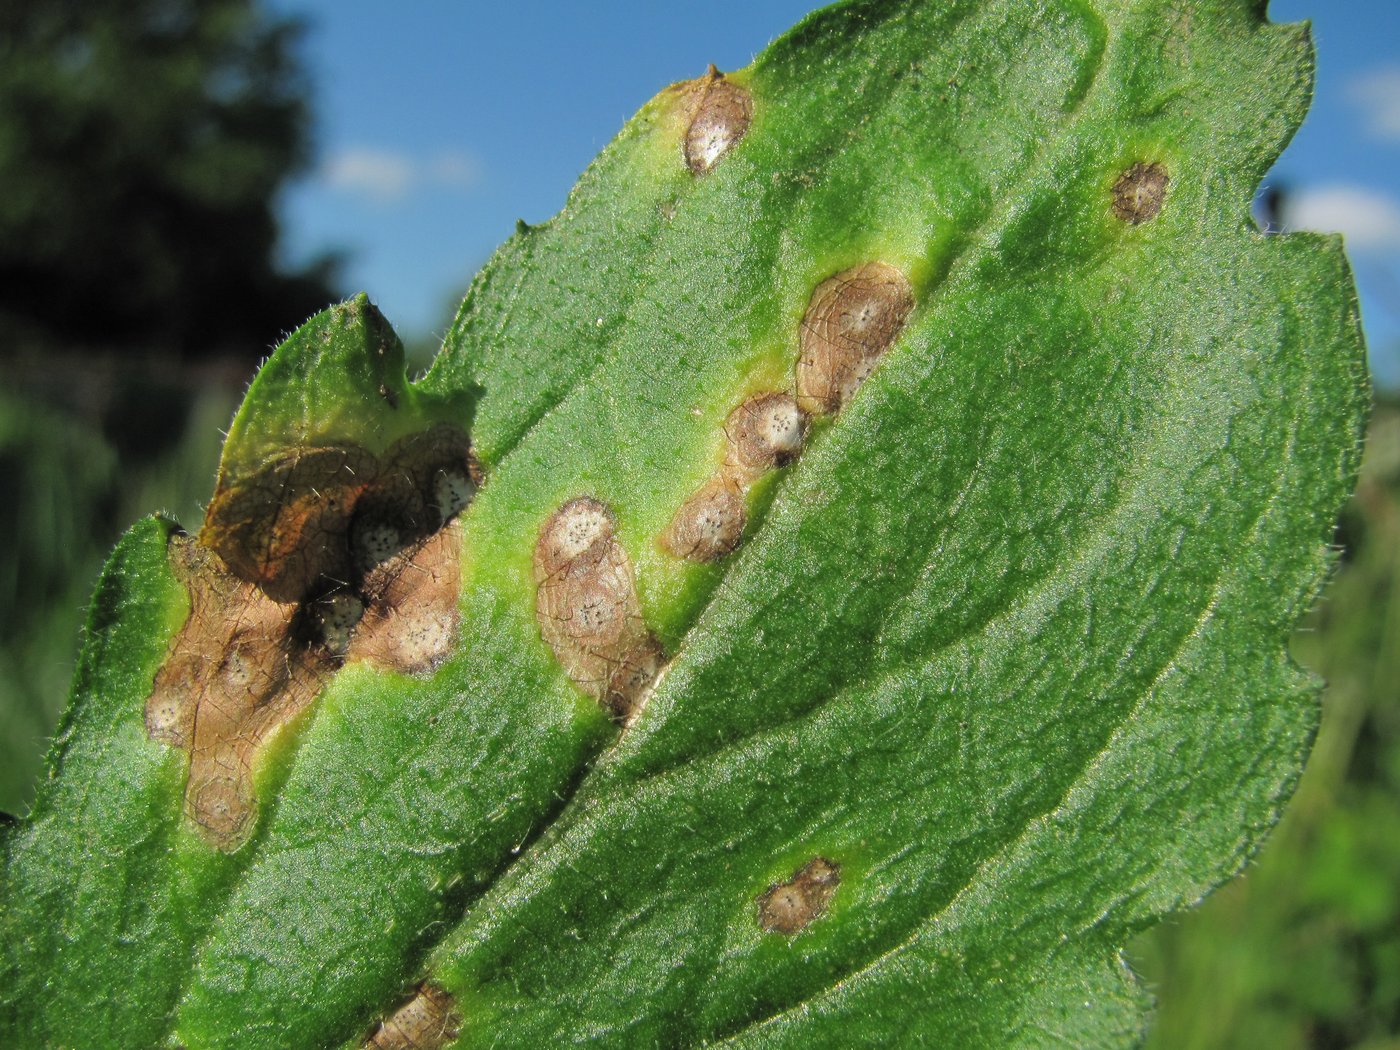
(912, 445)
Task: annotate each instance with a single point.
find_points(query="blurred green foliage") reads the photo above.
(142, 143)
(1304, 951)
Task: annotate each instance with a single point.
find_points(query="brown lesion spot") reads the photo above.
(325, 556)
(852, 318)
(587, 607)
(1139, 192)
(790, 907)
(764, 433)
(718, 113)
(243, 665)
(710, 523)
(410, 619)
(427, 1021)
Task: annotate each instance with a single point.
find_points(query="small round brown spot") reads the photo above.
(223, 805)
(1139, 192)
(852, 319)
(790, 907)
(721, 113)
(709, 524)
(764, 432)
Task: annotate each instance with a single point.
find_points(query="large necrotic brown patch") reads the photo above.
(239, 669)
(326, 555)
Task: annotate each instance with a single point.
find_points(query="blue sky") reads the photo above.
(441, 124)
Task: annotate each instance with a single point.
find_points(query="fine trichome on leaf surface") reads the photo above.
(832, 587)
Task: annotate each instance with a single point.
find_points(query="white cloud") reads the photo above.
(389, 177)
(1367, 218)
(375, 173)
(1377, 94)
(453, 170)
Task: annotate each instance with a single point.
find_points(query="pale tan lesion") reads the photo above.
(715, 114)
(411, 619)
(429, 1020)
(764, 433)
(791, 906)
(710, 523)
(852, 318)
(236, 672)
(587, 608)
(326, 556)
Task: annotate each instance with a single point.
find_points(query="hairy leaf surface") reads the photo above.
(901, 465)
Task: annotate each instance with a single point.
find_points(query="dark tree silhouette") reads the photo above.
(142, 143)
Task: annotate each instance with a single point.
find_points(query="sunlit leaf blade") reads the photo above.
(1023, 609)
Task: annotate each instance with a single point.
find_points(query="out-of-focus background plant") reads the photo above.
(169, 208)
